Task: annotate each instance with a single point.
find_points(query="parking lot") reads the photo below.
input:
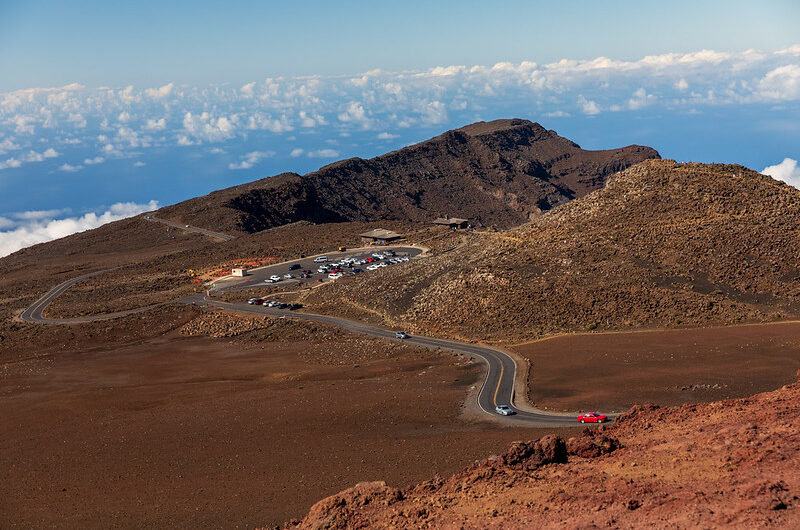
(312, 270)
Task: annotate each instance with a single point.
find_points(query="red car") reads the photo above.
(592, 417)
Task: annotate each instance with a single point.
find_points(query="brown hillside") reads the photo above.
(499, 173)
(730, 464)
(662, 244)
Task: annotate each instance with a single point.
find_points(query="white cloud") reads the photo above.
(124, 116)
(69, 168)
(159, 93)
(77, 121)
(681, 85)
(95, 160)
(155, 125)
(640, 99)
(782, 83)
(251, 159)
(587, 106)
(30, 156)
(247, 89)
(139, 163)
(35, 229)
(787, 171)
(323, 153)
(387, 136)
(10, 163)
(297, 152)
(205, 127)
(8, 145)
(355, 113)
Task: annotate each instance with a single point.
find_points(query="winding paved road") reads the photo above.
(497, 387)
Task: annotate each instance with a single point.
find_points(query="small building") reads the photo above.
(379, 236)
(451, 222)
(239, 272)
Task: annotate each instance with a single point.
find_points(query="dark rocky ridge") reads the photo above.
(499, 173)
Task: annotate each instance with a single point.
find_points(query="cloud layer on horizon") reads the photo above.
(41, 123)
(23, 229)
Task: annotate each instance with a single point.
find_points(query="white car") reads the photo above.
(274, 278)
(401, 335)
(321, 259)
(372, 267)
(503, 410)
(288, 276)
(334, 276)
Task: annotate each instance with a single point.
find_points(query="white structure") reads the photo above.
(239, 272)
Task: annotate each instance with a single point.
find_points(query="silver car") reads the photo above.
(503, 410)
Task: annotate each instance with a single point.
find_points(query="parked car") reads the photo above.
(401, 335)
(288, 276)
(356, 270)
(503, 410)
(305, 275)
(294, 266)
(282, 305)
(334, 275)
(321, 259)
(274, 278)
(342, 249)
(592, 417)
(255, 301)
(295, 307)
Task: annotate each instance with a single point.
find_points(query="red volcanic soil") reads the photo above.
(613, 371)
(192, 431)
(732, 464)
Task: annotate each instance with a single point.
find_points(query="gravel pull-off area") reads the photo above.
(733, 463)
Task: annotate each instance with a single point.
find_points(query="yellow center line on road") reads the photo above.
(499, 380)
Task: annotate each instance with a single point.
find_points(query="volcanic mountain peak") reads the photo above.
(500, 173)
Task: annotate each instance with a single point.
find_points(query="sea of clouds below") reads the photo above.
(75, 131)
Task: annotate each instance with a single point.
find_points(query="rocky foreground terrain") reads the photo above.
(734, 463)
(662, 245)
(499, 173)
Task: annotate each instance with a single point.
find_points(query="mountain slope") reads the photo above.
(725, 464)
(499, 173)
(662, 244)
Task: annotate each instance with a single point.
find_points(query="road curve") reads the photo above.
(188, 228)
(34, 313)
(497, 387)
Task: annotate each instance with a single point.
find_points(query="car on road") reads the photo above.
(294, 266)
(321, 259)
(335, 275)
(255, 301)
(503, 410)
(274, 278)
(288, 276)
(592, 417)
(401, 335)
(305, 275)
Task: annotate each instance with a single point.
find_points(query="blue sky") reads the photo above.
(112, 42)
(114, 105)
